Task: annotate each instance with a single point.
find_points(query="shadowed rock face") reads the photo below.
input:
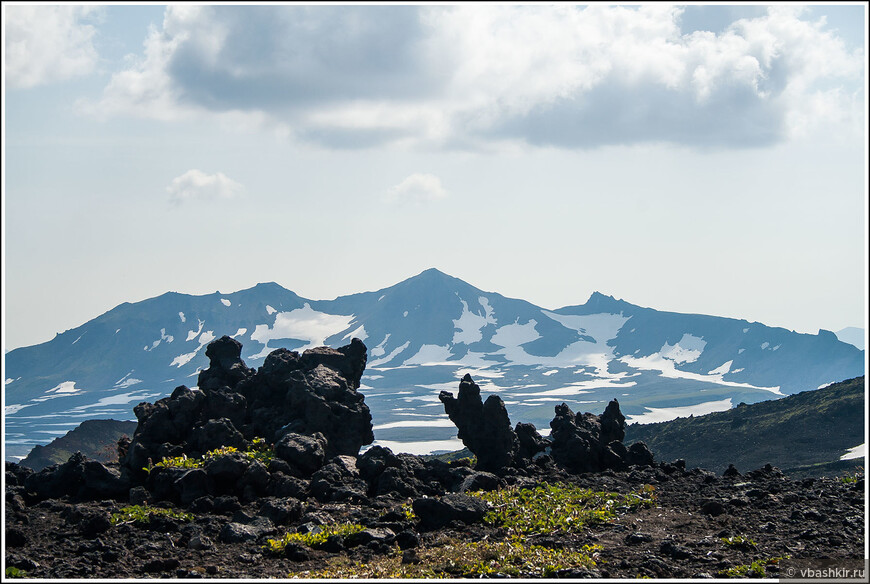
(588, 443)
(307, 394)
(484, 428)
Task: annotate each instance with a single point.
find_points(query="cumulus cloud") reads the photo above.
(417, 188)
(474, 75)
(196, 185)
(46, 44)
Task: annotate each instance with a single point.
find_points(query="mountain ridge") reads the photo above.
(422, 335)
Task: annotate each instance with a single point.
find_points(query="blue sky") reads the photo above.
(705, 158)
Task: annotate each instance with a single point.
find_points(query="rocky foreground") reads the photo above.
(258, 475)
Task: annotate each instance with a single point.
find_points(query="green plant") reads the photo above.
(142, 514)
(756, 569)
(312, 538)
(851, 478)
(13, 572)
(739, 542)
(260, 451)
(462, 559)
(556, 508)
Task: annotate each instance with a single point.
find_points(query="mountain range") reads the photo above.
(423, 335)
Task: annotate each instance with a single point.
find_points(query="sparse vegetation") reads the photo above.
(460, 559)
(13, 572)
(851, 478)
(260, 450)
(557, 508)
(739, 542)
(142, 514)
(757, 569)
(312, 538)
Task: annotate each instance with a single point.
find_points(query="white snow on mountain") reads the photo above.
(859, 451)
(181, 316)
(270, 311)
(431, 355)
(65, 387)
(379, 349)
(304, 324)
(393, 354)
(427, 423)
(653, 415)
(359, 333)
(722, 369)
(687, 349)
(226, 302)
(469, 325)
(204, 339)
(193, 334)
(422, 447)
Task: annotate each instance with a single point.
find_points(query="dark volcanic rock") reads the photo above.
(590, 443)
(438, 512)
(226, 367)
(311, 397)
(78, 477)
(484, 427)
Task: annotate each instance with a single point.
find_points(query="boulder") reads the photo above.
(435, 513)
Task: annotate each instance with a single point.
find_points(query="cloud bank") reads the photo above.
(195, 185)
(472, 76)
(46, 44)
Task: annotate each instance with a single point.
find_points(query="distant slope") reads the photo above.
(96, 439)
(811, 428)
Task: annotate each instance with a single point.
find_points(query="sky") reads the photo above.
(701, 159)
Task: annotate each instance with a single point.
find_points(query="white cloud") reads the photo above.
(46, 44)
(473, 75)
(417, 188)
(196, 185)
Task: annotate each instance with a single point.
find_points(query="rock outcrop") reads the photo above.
(484, 427)
(577, 442)
(310, 397)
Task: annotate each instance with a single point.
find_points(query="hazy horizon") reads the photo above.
(703, 159)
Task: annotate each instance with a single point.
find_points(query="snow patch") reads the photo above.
(379, 350)
(226, 302)
(856, 452)
(687, 349)
(764, 345)
(653, 415)
(78, 339)
(305, 324)
(193, 334)
(382, 297)
(163, 337)
(404, 314)
(550, 372)
(270, 311)
(722, 369)
(470, 325)
(239, 333)
(360, 333)
(14, 408)
(181, 316)
(68, 387)
(430, 355)
(423, 447)
(395, 352)
(430, 423)
(204, 339)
